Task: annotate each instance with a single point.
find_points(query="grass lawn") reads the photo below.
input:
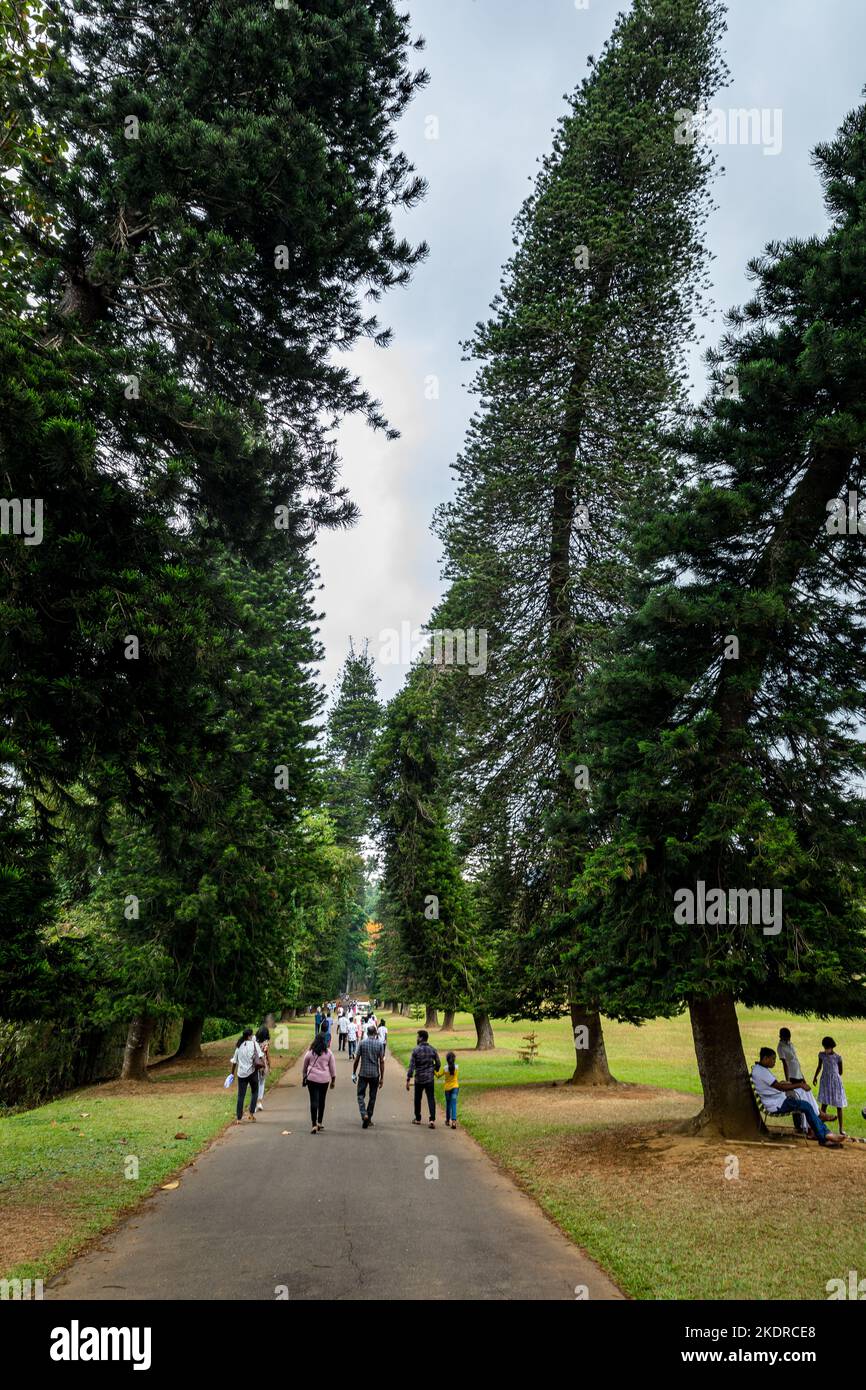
(668, 1216)
(64, 1166)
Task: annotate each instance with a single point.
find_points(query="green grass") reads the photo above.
(662, 1231)
(63, 1166)
(659, 1053)
(658, 1213)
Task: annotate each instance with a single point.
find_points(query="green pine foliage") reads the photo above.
(580, 367)
(724, 728)
(426, 950)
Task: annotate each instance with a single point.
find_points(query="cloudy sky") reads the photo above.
(499, 70)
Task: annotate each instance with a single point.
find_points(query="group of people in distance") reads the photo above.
(365, 1039)
(793, 1096)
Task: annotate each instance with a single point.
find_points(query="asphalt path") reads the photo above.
(398, 1211)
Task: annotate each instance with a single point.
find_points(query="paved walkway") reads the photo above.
(345, 1214)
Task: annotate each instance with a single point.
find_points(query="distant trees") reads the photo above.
(425, 950)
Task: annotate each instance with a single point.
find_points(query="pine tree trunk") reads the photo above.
(432, 1019)
(288, 1015)
(136, 1050)
(483, 1032)
(161, 1045)
(729, 1104)
(189, 1046)
(448, 1021)
(590, 1064)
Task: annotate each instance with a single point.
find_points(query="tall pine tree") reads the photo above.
(725, 727)
(580, 365)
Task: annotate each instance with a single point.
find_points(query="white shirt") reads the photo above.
(245, 1055)
(343, 1024)
(787, 1054)
(771, 1099)
(383, 1033)
(353, 1032)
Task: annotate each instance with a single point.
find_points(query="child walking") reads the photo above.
(451, 1072)
(831, 1091)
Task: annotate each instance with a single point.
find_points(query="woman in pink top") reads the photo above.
(318, 1071)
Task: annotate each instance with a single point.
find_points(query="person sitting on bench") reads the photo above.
(789, 1097)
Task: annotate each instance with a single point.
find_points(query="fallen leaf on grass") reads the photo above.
(170, 1186)
(180, 1135)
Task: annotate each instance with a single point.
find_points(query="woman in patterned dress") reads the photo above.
(831, 1091)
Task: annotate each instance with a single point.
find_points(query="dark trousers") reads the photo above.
(341, 1044)
(253, 1083)
(425, 1088)
(363, 1083)
(318, 1091)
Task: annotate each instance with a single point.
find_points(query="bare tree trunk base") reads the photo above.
(484, 1040)
(730, 1110)
(590, 1066)
(588, 1080)
(707, 1126)
(137, 1047)
(189, 1047)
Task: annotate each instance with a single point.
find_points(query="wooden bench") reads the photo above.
(769, 1116)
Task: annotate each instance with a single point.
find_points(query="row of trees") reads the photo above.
(676, 679)
(185, 242)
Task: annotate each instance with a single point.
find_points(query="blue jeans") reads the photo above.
(451, 1104)
(791, 1106)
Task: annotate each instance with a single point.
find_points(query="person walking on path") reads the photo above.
(319, 1016)
(382, 1032)
(423, 1065)
(451, 1073)
(244, 1058)
(352, 1035)
(831, 1091)
(318, 1073)
(325, 1029)
(342, 1032)
(369, 1073)
(263, 1038)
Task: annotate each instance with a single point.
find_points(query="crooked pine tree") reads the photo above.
(579, 365)
(725, 724)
